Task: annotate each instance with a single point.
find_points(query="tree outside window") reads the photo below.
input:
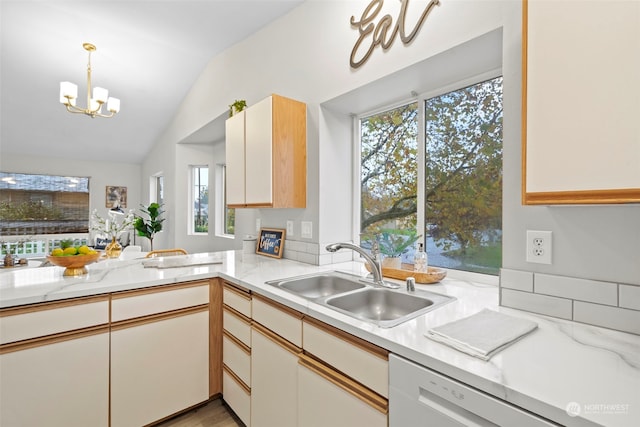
(462, 190)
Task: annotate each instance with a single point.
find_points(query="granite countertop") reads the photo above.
(562, 364)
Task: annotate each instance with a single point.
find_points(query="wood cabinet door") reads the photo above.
(61, 383)
(159, 367)
(235, 165)
(274, 383)
(259, 154)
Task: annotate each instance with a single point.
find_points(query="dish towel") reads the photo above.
(482, 334)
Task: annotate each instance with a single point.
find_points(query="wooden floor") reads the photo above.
(214, 414)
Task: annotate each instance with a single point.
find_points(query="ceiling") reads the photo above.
(149, 53)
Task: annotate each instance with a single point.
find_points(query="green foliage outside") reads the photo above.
(29, 211)
(463, 173)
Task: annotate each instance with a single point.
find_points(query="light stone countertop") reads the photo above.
(561, 363)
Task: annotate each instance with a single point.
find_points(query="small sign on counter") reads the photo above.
(271, 242)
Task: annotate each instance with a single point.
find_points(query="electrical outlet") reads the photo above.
(539, 246)
(289, 228)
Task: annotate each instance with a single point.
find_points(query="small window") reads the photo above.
(199, 199)
(225, 216)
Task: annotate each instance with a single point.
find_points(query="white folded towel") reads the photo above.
(482, 334)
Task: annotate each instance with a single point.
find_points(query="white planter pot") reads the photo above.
(392, 262)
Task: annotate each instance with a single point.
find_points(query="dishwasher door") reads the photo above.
(419, 396)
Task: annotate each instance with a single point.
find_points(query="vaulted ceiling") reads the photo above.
(149, 53)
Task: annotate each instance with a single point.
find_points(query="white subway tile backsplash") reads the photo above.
(312, 248)
(308, 258)
(542, 304)
(609, 317)
(630, 297)
(515, 279)
(295, 245)
(576, 289)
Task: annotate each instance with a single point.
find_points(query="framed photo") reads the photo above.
(271, 242)
(116, 196)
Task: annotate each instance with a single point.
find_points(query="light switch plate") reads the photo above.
(306, 229)
(289, 228)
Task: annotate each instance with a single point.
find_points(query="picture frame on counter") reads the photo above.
(271, 242)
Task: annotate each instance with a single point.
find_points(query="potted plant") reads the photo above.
(148, 228)
(237, 106)
(393, 243)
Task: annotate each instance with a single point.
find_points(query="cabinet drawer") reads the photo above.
(237, 358)
(143, 302)
(280, 319)
(21, 323)
(238, 299)
(362, 361)
(237, 397)
(236, 325)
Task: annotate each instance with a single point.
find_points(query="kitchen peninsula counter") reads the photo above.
(561, 370)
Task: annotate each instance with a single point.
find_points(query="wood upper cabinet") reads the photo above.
(266, 150)
(581, 102)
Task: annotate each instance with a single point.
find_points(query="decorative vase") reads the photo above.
(113, 249)
(392, 262)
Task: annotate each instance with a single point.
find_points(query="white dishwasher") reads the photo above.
(419, 396)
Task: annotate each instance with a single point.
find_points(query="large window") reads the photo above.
(43, 204)
(199, 198)
(225, 216)
(460, 196)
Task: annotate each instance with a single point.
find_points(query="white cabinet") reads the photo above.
(236, 350)
(276, 338)
(159, 352)
(266, 155)
(581, 92)
(274, 381)
(329, 398)
(54, 364)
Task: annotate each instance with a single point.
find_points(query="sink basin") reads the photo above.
(320, 285)
(352, 296)
(385, 307)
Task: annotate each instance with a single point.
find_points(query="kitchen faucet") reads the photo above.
(376, 269)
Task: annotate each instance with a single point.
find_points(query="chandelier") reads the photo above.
(69, 93)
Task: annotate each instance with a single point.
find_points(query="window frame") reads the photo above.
(191, 200)
(421, 99)
(221, 202)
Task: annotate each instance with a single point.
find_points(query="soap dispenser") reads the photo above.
(420, 260)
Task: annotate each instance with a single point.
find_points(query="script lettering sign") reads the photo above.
(383, 33)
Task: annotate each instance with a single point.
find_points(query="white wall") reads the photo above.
(305, 55)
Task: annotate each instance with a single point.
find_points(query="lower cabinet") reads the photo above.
(274, 382)
(328, 398)
(58, 383)
(158, 368)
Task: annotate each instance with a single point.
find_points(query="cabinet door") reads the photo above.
(274, 392)
(159, 367)
(57, 383)
(258, 153)
(328, 398)
(235, 165)
(581, 133)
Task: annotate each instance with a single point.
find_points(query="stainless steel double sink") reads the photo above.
(361, 299)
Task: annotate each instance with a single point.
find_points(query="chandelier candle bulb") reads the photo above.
(113, 105)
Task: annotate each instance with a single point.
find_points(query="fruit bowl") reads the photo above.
(74, 264)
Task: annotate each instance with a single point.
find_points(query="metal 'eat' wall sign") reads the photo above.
(383, 33)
